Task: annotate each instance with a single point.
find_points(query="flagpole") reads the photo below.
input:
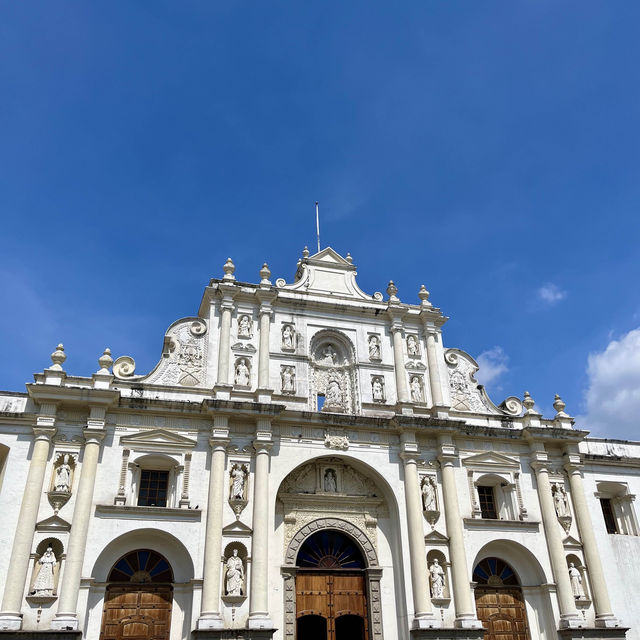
(318, 226)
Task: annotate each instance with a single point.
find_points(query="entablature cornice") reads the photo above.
(53, 394)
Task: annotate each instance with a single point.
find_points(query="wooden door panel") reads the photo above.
(502, 612)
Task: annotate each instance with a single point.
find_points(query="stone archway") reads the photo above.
(372, 573)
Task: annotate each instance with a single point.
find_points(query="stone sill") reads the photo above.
(489, 523)
(133, 512)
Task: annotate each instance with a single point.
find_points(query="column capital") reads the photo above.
(42, 432)
(266, 298)
(262, 446)
(218, 443)
(409, 457)
(93, 435)
(540, 466)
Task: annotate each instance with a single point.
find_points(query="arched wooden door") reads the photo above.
(499, 602)
(331, 589)
(137, 603)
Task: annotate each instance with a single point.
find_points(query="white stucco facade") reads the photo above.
(335, 411)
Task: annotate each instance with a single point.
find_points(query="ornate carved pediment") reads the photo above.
(157, 440)
(491, 461)
(466, 394)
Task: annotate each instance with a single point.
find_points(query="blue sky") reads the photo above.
(488, 150)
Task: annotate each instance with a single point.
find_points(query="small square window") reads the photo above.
(153, 488)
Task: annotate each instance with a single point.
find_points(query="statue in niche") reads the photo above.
(429, 494)
(330, 484)
(287, 376)
(43, 586)
(287, 337)
(437, 579)
(244, 327)
(416, 390)
(374, 348)
(63, 476)
(412, 346)
(329, 355)
(575, 578)
(238, 479)
(560, 500)
(242, 373)
(377, 389)
(334, 394)
(235, 575)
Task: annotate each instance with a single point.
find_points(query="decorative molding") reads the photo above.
(158, 440)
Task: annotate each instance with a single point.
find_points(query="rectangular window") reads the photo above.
(487, 502)
(153, 488)
(609, 517)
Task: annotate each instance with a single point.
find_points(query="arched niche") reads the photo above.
(234, 573)
(436, 554)
(36, 583)
(579, 586)
(333, 380)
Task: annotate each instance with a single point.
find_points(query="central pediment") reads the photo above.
(157, 440)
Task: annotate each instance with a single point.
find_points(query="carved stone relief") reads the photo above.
(416, 385)
(375, 353)
(413, 348)
(288, 379)
(245, 326)
(463, 387)
(242, 372)
(377, 388)
(288, 337)
(62, 479)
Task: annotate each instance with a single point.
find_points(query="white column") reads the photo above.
(566, 601)
(210, 617)
(265, 297)
(423, 617)
(226, 308)
(67, 616)
(601, 603)
(10, 616)
(398, 361)
(466, 617)
(434, 368)
(259, 593)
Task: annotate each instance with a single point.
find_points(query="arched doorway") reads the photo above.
(331, 589)
(499, 601)
(139, 596)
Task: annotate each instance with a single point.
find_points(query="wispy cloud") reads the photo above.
(550, 293)
(493, 363)
(613, 392)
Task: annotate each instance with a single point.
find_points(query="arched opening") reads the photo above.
(139, 597)
(331, 588)
(499, 601)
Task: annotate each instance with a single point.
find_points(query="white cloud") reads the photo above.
(493, 363)
(551, 293)
(613, 395)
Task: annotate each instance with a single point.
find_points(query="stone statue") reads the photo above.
(244, 327)
(416, 389)
(576, 581)
(329, 355)
(235, 575)
(63, 476)
(242, 373)
(377, 390)
(374, 348)
(330, 484)
(560, 500)
(334, 394)
(429, 494)
(412, 346)
(238, 478)
(43, 586)
(287, 375)
(437, 579)
(287, 336)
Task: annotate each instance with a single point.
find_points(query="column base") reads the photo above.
(210, 622)
(447, 634)
(10, 621)
(571, 622)
(425, 622)
(468, 623)
(593, 633)
(65, 622)
(259, 623)
(404, 408)
(233, 634)
(607, 622)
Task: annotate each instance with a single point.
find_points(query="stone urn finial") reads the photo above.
(305, 252)
(265, 274)
(349, 259)
(528, 402)
(559, 405)
(105, 361)
(423, 294)
(58, 357)
(229, 269)
(392, 291)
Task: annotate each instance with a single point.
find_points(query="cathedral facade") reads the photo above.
(308, 462)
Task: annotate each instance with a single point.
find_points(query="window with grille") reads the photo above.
(609, 517)
(487, 500)
(153, 488)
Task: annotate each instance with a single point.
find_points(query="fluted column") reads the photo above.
(259, 593)
(566, 600)
(10, 616)
(434, 369)
(466, 616)
(423, 613)
(601, 603)
(210, 617)
(398, 361)
(67, 616)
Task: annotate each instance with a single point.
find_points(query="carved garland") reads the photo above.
(373, 572)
